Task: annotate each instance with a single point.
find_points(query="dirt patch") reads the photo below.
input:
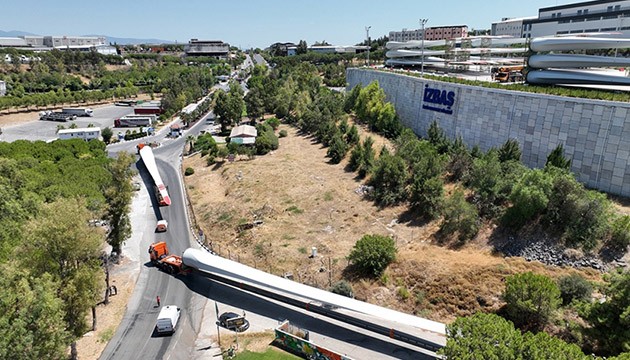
(92, 344)
(304, 201)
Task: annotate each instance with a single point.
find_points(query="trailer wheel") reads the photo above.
(169, 269)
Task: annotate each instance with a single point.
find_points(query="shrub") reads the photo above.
(556, 158)
(189, 171)
(510, 151)
(373, 253)
(342, 287)
(574, 287)
(460, 217)
(266, 142)
(107, 134)
(427, 196)
(529, 197)
(273, 122)
(337, 150)
(531, 299)
(389, 180)
(352, 136)
(206, 144)
(609, 319)
(282, 133)
(620, 232)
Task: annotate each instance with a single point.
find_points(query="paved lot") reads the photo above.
(47, 130)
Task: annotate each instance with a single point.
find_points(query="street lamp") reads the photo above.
(422, 22)
(367, 34)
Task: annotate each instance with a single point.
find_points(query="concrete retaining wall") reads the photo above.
(595, 133)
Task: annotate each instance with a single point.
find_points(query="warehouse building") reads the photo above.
(579, 18)
(214, 48)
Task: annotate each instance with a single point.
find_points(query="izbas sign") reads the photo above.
(438, 100)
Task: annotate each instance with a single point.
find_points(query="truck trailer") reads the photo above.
(144, 110)
(161, 258)
(91, 133)
(135, 121)
(78, 111)
(56, 116)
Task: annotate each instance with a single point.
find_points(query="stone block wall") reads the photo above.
(595, 133)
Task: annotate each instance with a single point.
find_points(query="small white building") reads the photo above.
(243, 135)
(80, 133)
(3, 88)
(509, 27)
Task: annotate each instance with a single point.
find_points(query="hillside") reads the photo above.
(306, 202)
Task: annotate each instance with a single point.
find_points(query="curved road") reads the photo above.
(135, 337)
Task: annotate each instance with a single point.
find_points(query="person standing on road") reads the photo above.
(158, 300)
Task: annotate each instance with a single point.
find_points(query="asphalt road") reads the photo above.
(47, 130)
(135, 337)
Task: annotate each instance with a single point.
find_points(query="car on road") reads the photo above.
(233, 321)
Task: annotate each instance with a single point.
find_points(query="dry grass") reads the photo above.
(307, 202)
(92, 344)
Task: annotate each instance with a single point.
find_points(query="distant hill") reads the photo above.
(131, 41)
(111, 39)
(14, 33)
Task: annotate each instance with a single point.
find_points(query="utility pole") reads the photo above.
(367, 34)
(422, 22)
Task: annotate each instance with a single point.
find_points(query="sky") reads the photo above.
(251, 23)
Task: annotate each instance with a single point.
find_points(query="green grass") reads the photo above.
(106, 335)
(270, 354)
(328, 196)
(225, 217)
(294, 209)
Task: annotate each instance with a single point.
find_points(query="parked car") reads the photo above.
(233, 321)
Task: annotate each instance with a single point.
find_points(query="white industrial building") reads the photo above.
(45, 43)
(338, 49)
(509, 27)
(215, 48)
(89, 133)
(601, 16)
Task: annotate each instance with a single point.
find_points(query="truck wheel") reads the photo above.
(169, 269)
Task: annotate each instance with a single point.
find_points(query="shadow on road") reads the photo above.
(253, 303)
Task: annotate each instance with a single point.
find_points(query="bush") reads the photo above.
(107, 134)
(373, 253)
(266, 141)
(510, 151)
(282, 133)
(338, 149)
(529, 197)
(134, 135)
(460, 217)
(427, 196)
(273, 122)
(189, 171)
(389, 180)
(556, 158)
(620, 233)
(531, 299)
(574, 287)
(206, 144)
(342, 287)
